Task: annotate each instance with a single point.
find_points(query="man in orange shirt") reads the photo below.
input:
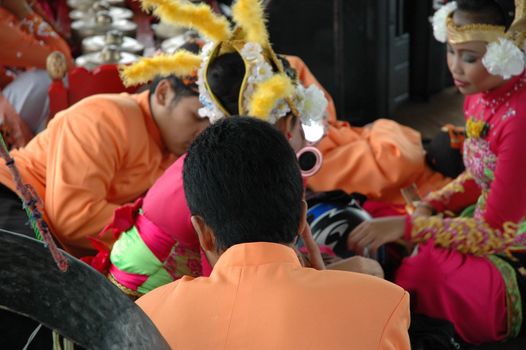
(103, 152)
(244, 189)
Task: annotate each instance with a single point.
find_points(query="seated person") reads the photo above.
(469, 265)
(102, 152)
(155, 241)
(258, 295)
(376, 160)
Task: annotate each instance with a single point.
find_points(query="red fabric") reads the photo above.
(379, 209)
(465, 289)
(507, 196)
(458, 201)
(101, 261)
(123, 219)
(83, 83)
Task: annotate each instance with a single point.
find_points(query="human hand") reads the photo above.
(359, 264)
(423, 211)
(374, 233)
(313, 251)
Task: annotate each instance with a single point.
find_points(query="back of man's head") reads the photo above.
(242, 177)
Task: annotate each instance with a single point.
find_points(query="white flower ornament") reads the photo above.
(504, 58)
(209, 109)
(439, 21)
(314, 105)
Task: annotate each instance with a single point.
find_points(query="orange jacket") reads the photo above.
(93, 157)
(377, 160)
(259, 297)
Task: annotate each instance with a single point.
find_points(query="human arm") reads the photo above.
(358, 264)
(313, 250)
(85, 152)
(376, 161)
(455, 196)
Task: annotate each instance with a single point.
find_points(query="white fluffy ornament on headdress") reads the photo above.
(439, 21)
(504, 58)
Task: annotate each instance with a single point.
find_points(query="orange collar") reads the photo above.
(258, 253)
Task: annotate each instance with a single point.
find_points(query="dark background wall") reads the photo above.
(371, 55)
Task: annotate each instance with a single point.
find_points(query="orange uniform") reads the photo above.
(259, 297)
(377, 160)
(100, 153)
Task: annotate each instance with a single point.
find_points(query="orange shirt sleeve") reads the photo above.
(376, 160)
(84, 155)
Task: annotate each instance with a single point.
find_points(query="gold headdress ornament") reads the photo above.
(266, 92)
(504, 54)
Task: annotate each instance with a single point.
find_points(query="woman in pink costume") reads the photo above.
(467, 266)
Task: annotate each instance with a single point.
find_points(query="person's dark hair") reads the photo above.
(180, 87)
(225, 75)
(242, 177)
(496, 12)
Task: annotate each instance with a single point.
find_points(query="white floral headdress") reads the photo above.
(505, 51)
(266, 92)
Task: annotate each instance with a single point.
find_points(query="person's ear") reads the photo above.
(164, 93)
(204, 233)
(303, 217)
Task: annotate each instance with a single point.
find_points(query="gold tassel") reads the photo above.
(199, 17)
(180, 64)
(250, 16)
(267, 95)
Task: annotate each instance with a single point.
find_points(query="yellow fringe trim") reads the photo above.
(199, 17)
(180, 64)
(250, 16)
(445, 193)
(465, 235)
(267, 95)
(130, 293)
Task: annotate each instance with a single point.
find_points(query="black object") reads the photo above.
(358, 50)
(80, 303)
(428, 333)
(307, 160)
(428, 66)
(441, 157)
(12, 215)
(332, 216)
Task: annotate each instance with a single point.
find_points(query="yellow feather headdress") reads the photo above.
(199, 17)
(249, 16)
(266, 91)
(181, 64)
